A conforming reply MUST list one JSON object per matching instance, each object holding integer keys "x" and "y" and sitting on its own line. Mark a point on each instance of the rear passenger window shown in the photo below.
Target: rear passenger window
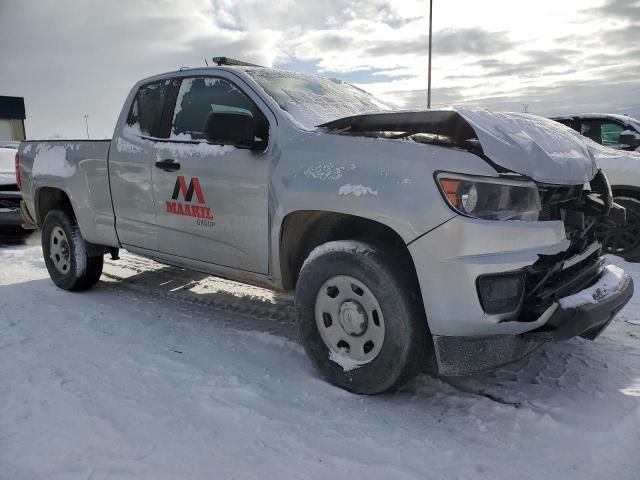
{"x": 149, "y": 111}
{"x": 200, "y": 96}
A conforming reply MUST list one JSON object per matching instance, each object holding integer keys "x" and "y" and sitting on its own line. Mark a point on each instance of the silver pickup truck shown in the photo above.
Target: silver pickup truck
{"x": 451, "y": 241}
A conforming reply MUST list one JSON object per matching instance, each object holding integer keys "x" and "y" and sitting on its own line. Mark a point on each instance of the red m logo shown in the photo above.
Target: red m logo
{"x": 187, "y": 193}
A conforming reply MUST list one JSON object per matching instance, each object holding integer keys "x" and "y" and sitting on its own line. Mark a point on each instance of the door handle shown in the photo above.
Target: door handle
{"x": 168, "y": 165}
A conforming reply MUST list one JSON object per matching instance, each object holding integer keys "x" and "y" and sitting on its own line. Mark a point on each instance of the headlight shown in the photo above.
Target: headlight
{"x": 490, "y": 198}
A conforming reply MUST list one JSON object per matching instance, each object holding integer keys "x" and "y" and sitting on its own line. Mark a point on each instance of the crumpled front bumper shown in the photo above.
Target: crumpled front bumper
{"x": 460, "y": 355}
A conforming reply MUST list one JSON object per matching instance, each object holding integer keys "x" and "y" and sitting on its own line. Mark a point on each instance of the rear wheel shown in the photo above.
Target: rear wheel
{"x": 358, "y": 318}
{"x": 65, "y": 253}
{"x": 624, "y": 240}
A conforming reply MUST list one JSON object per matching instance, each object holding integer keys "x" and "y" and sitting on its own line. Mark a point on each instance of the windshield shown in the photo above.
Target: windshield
{"x": 313, "y": 100}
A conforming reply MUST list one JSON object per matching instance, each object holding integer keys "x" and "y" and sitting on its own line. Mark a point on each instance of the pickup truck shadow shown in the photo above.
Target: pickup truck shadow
{"x": 562, "y": 377}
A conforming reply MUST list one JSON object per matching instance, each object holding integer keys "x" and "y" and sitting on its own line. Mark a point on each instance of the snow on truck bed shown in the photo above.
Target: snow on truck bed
{"x": 160, "y": 373}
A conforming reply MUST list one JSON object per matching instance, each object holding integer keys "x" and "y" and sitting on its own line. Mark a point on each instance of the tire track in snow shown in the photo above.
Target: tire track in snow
{"x": 253, "y": 308}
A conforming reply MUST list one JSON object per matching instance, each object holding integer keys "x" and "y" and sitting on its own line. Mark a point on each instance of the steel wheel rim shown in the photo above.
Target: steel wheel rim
{"x": 621, "y": 240}
{"x": 349, "y": 319}
{"x": 60, "y": 251}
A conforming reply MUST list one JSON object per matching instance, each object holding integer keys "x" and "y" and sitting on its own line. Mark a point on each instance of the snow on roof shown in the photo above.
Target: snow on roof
{"x": 615, "y": 116}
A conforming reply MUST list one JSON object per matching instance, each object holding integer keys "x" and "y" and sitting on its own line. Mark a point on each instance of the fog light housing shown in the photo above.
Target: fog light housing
{"x": 501, "y": 293}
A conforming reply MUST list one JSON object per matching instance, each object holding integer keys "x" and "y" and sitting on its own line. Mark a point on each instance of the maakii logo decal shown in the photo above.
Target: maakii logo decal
{"x": 188, "y": 209}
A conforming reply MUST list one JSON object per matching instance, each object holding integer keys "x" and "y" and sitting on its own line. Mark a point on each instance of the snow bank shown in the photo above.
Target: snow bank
{"x": 52, "y": 160}
{"x": 611, "y": 282}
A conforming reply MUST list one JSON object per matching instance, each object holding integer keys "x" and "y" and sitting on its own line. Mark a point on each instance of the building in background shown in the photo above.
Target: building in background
{"x": 12, "y": 116}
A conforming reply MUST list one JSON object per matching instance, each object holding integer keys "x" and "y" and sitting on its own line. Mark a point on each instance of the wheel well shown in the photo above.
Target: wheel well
{"x": 303, "y": 231}
{"x": 49, "y": 198}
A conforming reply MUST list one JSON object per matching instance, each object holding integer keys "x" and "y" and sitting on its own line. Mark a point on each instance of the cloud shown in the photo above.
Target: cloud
{"x": 620, "y": 9}
{"x": 75, "y": 57}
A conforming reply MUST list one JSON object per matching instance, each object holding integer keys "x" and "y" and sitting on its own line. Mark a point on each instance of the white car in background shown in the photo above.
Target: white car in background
{"x": 623, "y": 172}
{"x": 620, "y": 132}
{"x": 10, "y": 195}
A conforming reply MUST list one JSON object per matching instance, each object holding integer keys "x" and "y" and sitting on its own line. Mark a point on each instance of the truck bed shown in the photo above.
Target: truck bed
{"x": 79, "y": 168}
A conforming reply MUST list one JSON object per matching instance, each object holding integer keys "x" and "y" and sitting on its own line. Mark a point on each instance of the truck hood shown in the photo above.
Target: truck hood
{"x": 535, "y": 147}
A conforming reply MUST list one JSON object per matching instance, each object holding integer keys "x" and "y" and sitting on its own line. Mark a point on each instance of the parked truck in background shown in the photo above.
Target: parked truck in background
{"x": 10, "y": 197}
{"x": 450, "y": 240}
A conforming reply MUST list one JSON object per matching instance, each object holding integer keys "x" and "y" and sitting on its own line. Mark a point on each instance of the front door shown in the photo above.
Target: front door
{"x": 212, "y": 200}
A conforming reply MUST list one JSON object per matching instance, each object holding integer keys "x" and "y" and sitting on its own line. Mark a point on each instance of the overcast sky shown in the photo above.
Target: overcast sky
{"x": 69, "y": 58}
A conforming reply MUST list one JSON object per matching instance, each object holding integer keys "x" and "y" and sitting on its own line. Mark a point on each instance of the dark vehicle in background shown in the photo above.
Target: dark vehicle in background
{"x": 614, "y": 131}
{"x": 10, "y": 196}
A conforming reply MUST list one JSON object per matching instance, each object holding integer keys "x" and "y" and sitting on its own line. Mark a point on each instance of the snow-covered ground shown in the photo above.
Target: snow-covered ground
{"x": 159, "y": 373}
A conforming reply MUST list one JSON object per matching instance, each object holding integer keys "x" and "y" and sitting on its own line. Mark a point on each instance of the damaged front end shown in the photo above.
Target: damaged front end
{"x": 585, "y": 211}
{"x": 556, "y": 293}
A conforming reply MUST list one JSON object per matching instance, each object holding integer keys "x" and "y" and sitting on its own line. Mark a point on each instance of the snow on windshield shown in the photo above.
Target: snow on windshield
{"x": 313, "y": 100}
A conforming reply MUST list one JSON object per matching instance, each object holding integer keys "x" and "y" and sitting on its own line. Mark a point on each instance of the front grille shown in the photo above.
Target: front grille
{"x": 546, "y": 281}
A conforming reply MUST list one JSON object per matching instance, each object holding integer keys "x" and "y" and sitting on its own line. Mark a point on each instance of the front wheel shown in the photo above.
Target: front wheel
{"x": 359, "y": 318}
{"x": 65, "y": 253}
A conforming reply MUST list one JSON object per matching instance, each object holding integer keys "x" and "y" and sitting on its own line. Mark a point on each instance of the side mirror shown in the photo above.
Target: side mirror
{"x": 631, "y": 139}
{"x": 231, "y": 128}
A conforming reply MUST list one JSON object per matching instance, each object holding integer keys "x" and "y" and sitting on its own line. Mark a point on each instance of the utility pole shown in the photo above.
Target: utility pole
{"x": 429, "y": 73}
{"x": 86, "y": 122}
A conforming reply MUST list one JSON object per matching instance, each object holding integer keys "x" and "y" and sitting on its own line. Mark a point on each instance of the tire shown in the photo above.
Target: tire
{"x": 65, "y": 253}
{"x": 624, "y": 241}
{"x": 339, "y": 277}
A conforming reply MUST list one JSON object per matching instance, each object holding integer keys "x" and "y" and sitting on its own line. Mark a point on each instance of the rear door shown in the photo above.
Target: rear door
{"x": 212, "y": 202}
{"x": 130, "y": 162}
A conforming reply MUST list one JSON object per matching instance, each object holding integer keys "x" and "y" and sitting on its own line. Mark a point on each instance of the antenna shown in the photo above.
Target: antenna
{"x": 205, "y": 62}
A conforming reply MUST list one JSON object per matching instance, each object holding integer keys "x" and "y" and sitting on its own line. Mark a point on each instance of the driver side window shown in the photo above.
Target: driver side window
{"x": 199, "y": 96}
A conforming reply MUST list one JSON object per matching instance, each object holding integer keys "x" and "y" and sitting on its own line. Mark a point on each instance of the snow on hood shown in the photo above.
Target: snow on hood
{"x": 536, "y": 147}
{"x": 539, "y": 148}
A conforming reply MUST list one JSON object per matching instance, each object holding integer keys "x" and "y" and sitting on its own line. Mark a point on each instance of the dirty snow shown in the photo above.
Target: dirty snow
{"x": 52, "y": 160}
{"x": 351, "y": 246}
{"x": 356, "y": 190}
{"x": 159, "y": 373}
